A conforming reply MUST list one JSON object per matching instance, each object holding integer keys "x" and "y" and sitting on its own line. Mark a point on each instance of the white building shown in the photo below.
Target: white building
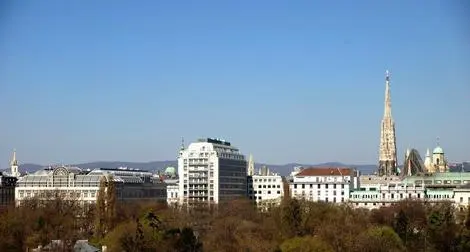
{"x": 211, "y": 171}
{"x": 74, "y": 183}
{"x": 265, "y": 190}
{"x": 376, "y": 192}
{"x": 172, "y": 189}
{"x": 462, "y": 196}
{"x": 373, "y": 196}
{"x": 324, "y": 184}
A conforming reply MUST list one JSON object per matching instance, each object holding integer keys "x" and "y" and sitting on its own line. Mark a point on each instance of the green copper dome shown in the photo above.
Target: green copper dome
{"x": 438, "y": 150}
{"x": 170, "y": 170}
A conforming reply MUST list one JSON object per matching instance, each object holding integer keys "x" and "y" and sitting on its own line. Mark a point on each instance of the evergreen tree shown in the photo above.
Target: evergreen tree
{"x": 111, "y": 204}
{"x": 402, "y": 226}
{"x": 100, "y": 222}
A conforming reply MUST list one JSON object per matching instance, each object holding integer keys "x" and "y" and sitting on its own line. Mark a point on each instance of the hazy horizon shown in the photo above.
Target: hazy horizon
{"x": 286, "y": 81}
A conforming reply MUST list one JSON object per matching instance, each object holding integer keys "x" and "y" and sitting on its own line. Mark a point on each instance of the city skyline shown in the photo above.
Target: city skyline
{"x": 286, "y": 82}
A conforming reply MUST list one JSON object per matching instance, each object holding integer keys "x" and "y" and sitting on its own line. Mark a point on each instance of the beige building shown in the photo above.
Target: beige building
{"x": 75, "y": 183}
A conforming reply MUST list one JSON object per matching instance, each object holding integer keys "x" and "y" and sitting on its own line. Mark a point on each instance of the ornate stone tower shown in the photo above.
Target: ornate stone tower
{"x": 14, "y": 166}
{"x": 388, "y": 148}
{"x": 251, "y": 166}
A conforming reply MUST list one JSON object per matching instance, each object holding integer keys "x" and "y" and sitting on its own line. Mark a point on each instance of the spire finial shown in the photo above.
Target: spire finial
{"x": 13, "y": 159}
{"x": 437, "y": 140}
{"x": 182, "y": 143}
{"x": 388, "y": 103}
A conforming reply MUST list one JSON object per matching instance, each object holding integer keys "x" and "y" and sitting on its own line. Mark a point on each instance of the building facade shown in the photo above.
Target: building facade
{"x": 388, "y": 150}
{"x": 266, "y": 190}
{"x": 433, "y": 188}
{"x": 7, "y": 190}
{"x": 211, "y": 171}
{"x": 172, "y": 190}
{"x": 327, "y": 184}
{"x": 75, "y": 183}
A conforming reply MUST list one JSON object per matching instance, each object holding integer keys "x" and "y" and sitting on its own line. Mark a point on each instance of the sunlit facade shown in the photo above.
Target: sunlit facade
{"x": 75, "y": 183}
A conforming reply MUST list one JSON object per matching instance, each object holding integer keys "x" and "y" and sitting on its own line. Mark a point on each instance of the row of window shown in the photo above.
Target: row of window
{"x": 42, "y": 194}
{"x": 318, "y": 192}
{"x": 267, "y": 186}
{"x": 392, "y": 196}
{"x": 335, "y": 199}
{"x": 318, "y": 186}
{"x": 267, "y": 180}
{"x": 260, "y": 192}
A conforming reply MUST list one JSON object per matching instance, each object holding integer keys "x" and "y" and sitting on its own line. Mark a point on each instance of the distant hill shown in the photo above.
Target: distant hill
{"x": 284, "y": 169}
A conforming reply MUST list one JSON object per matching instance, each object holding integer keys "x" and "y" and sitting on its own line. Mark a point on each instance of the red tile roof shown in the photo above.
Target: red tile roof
{"x": 326, "y": 171}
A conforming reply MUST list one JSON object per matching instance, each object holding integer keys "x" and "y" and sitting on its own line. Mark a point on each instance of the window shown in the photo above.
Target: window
{"x": 334, "y": 186}
{"x": 303, "y": 186}
{"x": 326, "y": 186}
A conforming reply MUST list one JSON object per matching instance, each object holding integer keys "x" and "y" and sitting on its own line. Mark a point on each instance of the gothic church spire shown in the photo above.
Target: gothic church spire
{"x": 388, "y": 149}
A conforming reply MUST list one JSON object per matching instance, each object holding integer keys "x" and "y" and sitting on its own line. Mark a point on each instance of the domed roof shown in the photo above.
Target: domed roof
{"x": 438, "y": 150}
{"x": 170, "y": 170}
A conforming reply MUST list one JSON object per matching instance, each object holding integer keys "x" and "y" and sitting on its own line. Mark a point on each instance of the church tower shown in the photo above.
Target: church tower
{"x": 251, "y": 166}
{"x": 438, "y": 159}
{"x": 428, "y": 162}
{"x": 14, "y": 166}
{"x": 388, "y": 148}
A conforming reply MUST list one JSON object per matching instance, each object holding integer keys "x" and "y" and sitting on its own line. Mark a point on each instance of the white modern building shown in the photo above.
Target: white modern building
{"x": 211, "y": 171}
{"x": 266, "y": 190}
{"x": 327, "y": 184}
{"x": 75, "y": 183}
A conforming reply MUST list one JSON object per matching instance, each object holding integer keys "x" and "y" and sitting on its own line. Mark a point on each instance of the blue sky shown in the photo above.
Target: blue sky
{"x": 289, "y": 81}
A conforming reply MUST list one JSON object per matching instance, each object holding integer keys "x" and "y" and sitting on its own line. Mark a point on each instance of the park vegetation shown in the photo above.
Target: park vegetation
{"x": 295, "y": 225}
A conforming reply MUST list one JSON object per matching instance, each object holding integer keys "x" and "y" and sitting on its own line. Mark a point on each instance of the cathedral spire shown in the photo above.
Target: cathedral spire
{"x": 388, "y": 149}
{"x": 388, "y": 101}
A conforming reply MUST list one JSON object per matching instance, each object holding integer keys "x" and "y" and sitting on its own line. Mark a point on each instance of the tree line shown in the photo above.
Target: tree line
{"x": 294, "y": 225}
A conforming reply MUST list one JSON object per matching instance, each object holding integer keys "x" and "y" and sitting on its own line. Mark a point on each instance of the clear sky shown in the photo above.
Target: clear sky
{"x": 289, "y": 81}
